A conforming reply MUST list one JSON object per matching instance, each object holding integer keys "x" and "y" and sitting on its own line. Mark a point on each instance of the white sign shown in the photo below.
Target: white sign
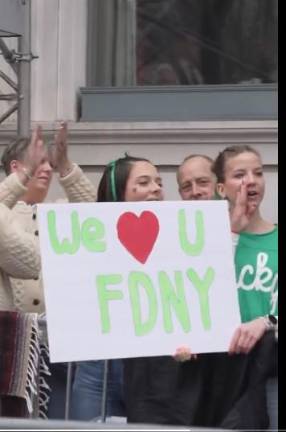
{"x": 137, "y": 279}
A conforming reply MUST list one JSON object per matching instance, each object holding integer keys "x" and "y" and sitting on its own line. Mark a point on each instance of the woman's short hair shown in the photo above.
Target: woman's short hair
{"x": 14, "y": 151}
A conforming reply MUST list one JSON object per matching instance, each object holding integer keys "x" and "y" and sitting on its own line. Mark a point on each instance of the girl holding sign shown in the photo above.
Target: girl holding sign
{"x": 240, "y": 180}
{"x": 239, "y": 173}
{"x": 125, "y": 179}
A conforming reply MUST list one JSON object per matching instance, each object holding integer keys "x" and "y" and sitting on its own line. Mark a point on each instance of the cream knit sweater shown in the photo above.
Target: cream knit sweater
{"x": 28, "y": 295}
{"x": 19, "y": 254}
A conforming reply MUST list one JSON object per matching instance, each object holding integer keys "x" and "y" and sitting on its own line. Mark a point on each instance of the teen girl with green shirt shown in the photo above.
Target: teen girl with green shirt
{"x": 240, "y": 176}
{"x": 240, "y": 180}
{"x": 239, "y": 170}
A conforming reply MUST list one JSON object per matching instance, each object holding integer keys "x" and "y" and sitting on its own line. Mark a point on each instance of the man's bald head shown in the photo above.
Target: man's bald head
{"x": 196, "y": 179}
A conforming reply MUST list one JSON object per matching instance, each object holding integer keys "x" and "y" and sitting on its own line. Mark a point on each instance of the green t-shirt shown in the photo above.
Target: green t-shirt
{"x": 256, "y": 264}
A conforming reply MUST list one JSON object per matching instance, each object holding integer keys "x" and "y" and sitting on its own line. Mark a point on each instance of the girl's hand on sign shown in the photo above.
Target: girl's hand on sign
{"x": 183, "y": 354}
{"x": 246, "y": 336}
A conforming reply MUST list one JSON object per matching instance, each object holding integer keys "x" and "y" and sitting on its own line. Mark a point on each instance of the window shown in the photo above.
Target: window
{"x": 206, "y": 42}
{"x": 209, "y": 49}
{"x": 183, "y": 42}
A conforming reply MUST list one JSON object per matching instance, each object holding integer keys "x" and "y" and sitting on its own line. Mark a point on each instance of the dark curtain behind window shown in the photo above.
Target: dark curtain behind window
{"x": 191, "y": 42}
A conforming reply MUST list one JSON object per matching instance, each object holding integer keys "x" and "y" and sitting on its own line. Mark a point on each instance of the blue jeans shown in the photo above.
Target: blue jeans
{"x": 88, "y": 386}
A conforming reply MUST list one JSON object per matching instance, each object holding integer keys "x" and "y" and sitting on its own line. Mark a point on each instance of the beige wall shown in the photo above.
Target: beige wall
{"x": 58, "y": 38}
{"x": 92, "y": 145}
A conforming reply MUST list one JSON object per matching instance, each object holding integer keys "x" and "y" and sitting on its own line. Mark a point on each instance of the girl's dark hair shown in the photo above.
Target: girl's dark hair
{"x": 228, "y": 153}
{"x": 119, "y": 170}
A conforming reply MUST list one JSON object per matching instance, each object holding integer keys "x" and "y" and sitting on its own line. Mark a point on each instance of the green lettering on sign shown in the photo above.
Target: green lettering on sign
{"x": 66, "y": 246}
{"x": 173, "y": 298}
{"x": 92, "y": 235}
{"x": 135, "y": 281}
{"x": 105, "y": 296}
{"x": 202, "y": 287}
{"x": 197, "y": 247}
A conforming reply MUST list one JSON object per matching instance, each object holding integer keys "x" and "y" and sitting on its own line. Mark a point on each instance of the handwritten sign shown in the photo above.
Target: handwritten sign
{"x": 137, "y": 279}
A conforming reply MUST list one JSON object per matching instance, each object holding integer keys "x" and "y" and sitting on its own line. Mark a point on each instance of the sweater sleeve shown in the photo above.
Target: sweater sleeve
{"x": 19, "y": 251}
{"x": 78, "y": 187}
{"x": 11, "y": 189}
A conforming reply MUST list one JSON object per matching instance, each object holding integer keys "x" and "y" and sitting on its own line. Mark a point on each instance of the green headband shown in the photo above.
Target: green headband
{"x": 112, "y": 179}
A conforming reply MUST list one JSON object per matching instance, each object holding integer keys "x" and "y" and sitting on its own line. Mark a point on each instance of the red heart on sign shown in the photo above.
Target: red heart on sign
{"x": 138, "y": 234}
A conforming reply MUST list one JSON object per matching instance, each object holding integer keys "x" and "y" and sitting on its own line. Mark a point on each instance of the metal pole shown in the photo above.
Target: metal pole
{"x": 24, "y": 111}
{"x": 104, "y": 392}
{"x": 68, "y": 390}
